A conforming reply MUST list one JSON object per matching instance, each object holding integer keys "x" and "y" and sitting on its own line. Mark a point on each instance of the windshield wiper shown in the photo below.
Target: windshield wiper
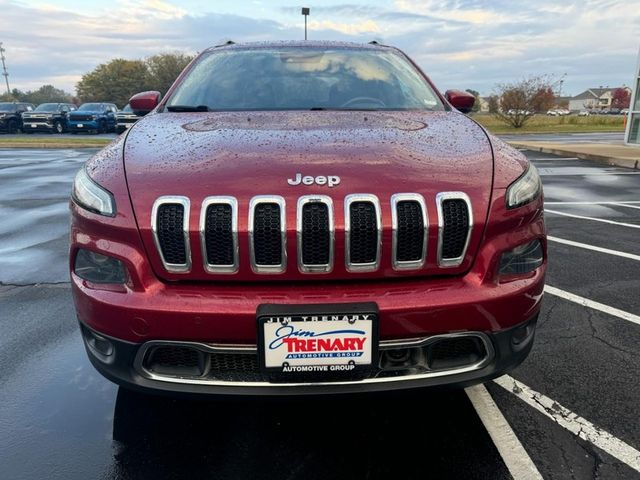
{"x": 188, "y": 108}
{"x": 342, "y": 109}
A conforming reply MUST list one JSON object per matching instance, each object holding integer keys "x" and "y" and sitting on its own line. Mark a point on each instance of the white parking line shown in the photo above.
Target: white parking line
{"x": 603, "y": 220}
{"x": 625, "y": 203}
{"x": 544, "y": 172}
{"x": 608, "y": 251}
{"x": 585, "y": 302}
{"x": 546, "y": 159}
{"x": 572, "y": 422}
{"x": 509, "y": 447}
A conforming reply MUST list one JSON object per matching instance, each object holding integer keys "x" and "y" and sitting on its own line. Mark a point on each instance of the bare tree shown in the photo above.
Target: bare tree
{"x": 518, "y": 100}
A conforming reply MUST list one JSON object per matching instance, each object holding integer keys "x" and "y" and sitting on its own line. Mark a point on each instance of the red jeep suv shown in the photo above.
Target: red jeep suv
{"x": 306, "y": 217}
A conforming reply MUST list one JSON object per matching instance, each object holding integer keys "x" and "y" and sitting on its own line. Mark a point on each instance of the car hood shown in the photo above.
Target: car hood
{"x": 86, "y": 112}
{"x": 255, "y": 153}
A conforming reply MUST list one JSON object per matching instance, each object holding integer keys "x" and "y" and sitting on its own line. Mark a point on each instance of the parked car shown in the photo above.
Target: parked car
{"x": 553, "y": 113}
{"x": 125, "y": 118}
{"x": 314, "y": 230}
{"x": 518, "y": 112}
{"x": 11, "y": 115}
{"x": 624, "y": 111}
{"x": 93, "y": 117}
{"x": 50, "y": 117}
{"x": 584, "y": 113}
{"x": 563, "y": 111}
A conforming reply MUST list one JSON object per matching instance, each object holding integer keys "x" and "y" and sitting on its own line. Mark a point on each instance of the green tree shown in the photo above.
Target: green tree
{"x": 115, "y": 81}
{"x": 44, "y": 94}
{"x": 15, "y": 96}
{"x": 494, "y": 104}
{"x": 48, "y": 93}
{"x": 163, "y": 69}
{"x": 476, "y": 105}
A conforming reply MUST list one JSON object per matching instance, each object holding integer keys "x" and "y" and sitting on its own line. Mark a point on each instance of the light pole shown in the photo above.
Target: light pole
{"x": 5, "y": 74}
{"x": 305, "y": 12}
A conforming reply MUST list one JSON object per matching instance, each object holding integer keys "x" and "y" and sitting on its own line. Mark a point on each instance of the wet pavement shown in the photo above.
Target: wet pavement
{"x": 59, "y": 419}
{"x": 592, "y": 137}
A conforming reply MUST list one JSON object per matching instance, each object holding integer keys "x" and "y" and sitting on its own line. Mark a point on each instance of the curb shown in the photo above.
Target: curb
{"x": 51, "y": 145}
{"x": 607, "y": 160}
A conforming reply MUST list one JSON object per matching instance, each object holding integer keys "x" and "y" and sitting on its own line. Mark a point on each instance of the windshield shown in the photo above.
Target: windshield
{"x": 127, "y": 109}
{"x": 303, "y": 79}
{"x": 90, "y": 106}
{"x": 7, "y": 107}
{"x": 47, "y": 107}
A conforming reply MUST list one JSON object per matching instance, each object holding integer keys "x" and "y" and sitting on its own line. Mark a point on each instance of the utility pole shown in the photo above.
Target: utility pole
{"x": 305, "y": 12}
{"x": 5, "y": 74}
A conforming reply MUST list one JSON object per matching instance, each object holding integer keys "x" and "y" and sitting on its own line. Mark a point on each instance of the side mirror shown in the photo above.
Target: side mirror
{"x": 143, "y": 103}
{"x": 462, "y": 101}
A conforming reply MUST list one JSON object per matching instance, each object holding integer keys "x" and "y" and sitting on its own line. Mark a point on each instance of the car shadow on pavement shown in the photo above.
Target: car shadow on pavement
{"x": 410, "y": 435}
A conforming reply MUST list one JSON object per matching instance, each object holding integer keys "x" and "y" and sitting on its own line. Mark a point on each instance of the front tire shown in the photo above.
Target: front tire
{"x": 12, "y": 126}
{"x": 58, "y": 127}
{"x": 102, "y": 127}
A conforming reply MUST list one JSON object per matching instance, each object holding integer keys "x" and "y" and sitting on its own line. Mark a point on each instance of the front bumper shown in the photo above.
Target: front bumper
{"x": 83, "y": 126}
{"x": 506, "y": 350}
{"x": 34, "y": 126}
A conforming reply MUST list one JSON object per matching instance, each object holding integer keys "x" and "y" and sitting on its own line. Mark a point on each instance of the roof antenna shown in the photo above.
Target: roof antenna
{"x": 228, "y": 42}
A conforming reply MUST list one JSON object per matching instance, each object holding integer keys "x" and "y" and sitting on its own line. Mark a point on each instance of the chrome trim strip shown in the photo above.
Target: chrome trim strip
{"x": 268, "y": 269}
{"x": 440, "y": 198}
{"x": 413, "y": 264}
{"x": 320, "y": 268}
{"x": 233, "y": 203}
{"x": 348, "y": 200}
{"x": 184, "y": 201}
{"x": 138, "y": 364}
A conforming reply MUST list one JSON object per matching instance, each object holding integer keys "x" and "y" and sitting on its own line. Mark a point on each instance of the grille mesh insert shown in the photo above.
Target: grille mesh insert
{"x": 267, "y": 241}
{"x": 219, "y": 235}
{"x": 363, "y": 239}
{"x": 170, "y": 219}
{"x": 456, "y": 228}
{"x": 316, "y": 236}
{"x": 410, "y": 234}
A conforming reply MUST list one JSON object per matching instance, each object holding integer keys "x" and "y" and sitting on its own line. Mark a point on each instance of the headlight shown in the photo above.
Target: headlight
{"x": 522, "y": 259}
{"x": 525, "y": 189}
{"x": 98, "y": 268}
{"x": 91, "y": 196}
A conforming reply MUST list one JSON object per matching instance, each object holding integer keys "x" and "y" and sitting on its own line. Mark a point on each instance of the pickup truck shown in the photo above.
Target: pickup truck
{"x": 93, "y": 117}
{"x": 11, "y": 115}
{"x": 50, "y": 117}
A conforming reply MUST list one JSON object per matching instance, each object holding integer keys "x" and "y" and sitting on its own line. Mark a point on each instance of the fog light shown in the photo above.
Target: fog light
{"x": 99, "y": 268}
{"x": 522, "y": 259}
{"x": 100, "y": 344}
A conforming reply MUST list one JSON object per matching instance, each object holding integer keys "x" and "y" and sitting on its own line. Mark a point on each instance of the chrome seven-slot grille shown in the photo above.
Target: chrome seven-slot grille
{"x": 267, "y": 228}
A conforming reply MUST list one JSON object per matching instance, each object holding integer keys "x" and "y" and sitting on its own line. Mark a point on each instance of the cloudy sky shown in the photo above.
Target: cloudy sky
{"x": 459, "y": 43}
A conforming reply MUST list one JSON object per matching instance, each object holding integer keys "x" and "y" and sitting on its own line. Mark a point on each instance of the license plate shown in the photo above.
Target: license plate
{"x": 80, "y": 125}
{"x": 317, "y": 340}
{"x": 33, "y": 125}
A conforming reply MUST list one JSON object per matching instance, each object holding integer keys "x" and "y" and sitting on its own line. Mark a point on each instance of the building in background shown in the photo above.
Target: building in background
{"x": 632, "y": 133}
{"x": 594, "y": 99}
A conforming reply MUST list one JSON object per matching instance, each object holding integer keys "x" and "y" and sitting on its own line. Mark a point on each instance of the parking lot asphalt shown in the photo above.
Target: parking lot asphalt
{"x": 589, "y": 137}
{"x": 47, "y": 135}
{"x": 573, "y": 408}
